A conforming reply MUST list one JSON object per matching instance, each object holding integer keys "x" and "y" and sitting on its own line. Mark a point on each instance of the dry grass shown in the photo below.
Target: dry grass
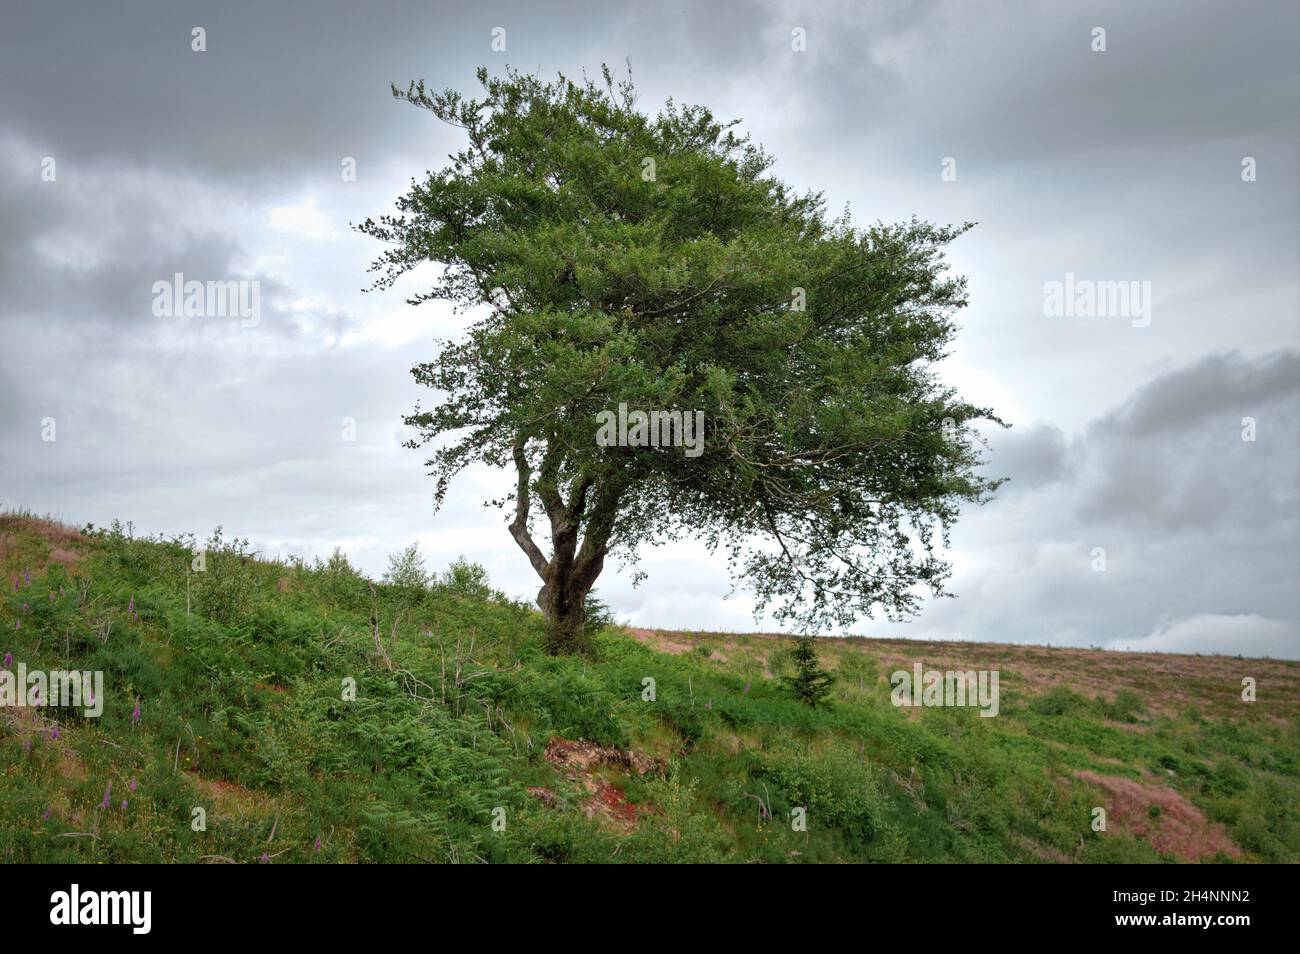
{"x": 1167, "y": 682}
{"x": 1162, "y": 816}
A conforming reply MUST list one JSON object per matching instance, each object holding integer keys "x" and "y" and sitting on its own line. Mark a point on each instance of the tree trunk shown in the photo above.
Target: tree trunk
{"x": 571, "y": 572}
{"x": 564, "y": 604}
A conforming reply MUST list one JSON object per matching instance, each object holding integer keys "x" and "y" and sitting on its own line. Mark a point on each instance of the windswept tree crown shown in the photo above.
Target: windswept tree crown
{"x": 655, "y": 263}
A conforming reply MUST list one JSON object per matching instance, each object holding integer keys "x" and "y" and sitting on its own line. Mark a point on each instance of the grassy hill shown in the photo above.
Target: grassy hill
{"x": 224, "y": 691}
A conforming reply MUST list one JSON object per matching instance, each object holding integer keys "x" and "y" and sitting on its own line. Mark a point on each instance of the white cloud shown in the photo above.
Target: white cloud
{"x": 1242, "y": 634}
{"x": 304, "y": 220}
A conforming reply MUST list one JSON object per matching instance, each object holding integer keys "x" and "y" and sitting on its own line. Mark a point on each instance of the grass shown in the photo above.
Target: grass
{"x": 304, "y": 713}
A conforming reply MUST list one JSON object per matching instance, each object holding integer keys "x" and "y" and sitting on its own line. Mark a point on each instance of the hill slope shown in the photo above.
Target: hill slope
{"x": 226, "y": 700}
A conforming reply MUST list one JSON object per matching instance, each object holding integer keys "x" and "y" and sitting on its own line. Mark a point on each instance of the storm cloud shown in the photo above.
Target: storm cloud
{"x": 1169, "y": 449}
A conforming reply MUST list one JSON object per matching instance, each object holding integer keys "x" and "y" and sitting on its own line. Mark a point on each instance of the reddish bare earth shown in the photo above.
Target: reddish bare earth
{"x": 582, "y": 763}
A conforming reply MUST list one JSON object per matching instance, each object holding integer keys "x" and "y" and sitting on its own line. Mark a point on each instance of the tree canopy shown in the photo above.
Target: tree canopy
{"x": 656, "y": 263}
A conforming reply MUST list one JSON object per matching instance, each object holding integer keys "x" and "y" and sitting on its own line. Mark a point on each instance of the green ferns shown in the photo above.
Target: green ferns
{"x": 310, "y": 715}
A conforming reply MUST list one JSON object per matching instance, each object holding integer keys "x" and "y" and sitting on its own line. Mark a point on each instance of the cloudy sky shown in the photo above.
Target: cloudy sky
{"x": 1122, "y": 165}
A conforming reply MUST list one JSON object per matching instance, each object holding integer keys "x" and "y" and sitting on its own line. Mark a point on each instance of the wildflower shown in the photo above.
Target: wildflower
{"x": 130, "y": 607}
{"x": 27, "y": 577}
{"x": 54, "y": 734}
{"x": 124, "y": 804}
{"x": 18, "y": 624}
{"x": 132, "y": 784}
{"x": 135, "y": 714}
{"x": 107, "y": 793}
{"x": 318, "y": 843}
{"x": 48, "y": 813}
{"x": 27, "y": 745}
{"x": 26, "y": 608}
{"x": 265, "y": 858}
{"x": 9, "y": 660}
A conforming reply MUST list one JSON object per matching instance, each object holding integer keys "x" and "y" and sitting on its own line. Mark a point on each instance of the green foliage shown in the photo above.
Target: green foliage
{"x": 654, "y": 263}
{"x": 1058, "y": 701}
{"x": 338, "y": 581}
{"x": 224, "y": 589}
{"x": 1125, "y": 706}
{"x": 598, "y": 613}
{"x": 242, "y": 713}
{"x": 466, "y": 579}
{"x": 406, "y": 570}
{"x": 835, "y": 786}
{"x": 810, "y": 684}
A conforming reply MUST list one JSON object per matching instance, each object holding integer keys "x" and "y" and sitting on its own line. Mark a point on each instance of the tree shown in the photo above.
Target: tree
{"x": 467, "y": 579}
{"x": 406, "y": 569}
{"x": 637, "y": 264}
{"x": 810, "y": 684}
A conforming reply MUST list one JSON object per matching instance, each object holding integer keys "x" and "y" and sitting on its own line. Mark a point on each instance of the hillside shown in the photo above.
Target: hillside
{"x": 224, "y": 690}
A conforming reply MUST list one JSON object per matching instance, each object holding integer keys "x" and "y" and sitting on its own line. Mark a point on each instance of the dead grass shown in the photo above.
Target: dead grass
{"x": 55, "y": 533}
{"x": 32, "y": 543}
{"x": 1168, "y": 683}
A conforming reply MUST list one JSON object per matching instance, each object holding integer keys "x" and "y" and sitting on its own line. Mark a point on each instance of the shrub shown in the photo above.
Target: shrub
{"x": 837, "y": 787}
{"x": 599, "y": 615}
{"x": 1126, "y": 706}
{"x": 1057, "y": 701}
{"x": 339, "y": 582}
{"x": 464, "y": 578}
{"x": 223, "y": 592}
{"x": 406, "y": 569}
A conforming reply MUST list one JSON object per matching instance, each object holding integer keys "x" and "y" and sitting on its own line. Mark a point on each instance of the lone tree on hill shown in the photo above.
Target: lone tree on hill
{"x": 652, "y": 269}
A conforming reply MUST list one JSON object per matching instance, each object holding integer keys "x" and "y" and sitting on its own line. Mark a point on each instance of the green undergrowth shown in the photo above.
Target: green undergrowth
{"x": 307, "y": 714}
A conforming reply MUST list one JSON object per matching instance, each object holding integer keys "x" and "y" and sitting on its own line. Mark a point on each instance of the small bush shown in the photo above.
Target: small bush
{"x": 599, "y": 615}
{"x": 464, "y": 578}
{"x": 1126, "y": 706}
{"x": 406, "y": 569}
{"x": 1057, "y": 701}
{"x": 223, "y": 592}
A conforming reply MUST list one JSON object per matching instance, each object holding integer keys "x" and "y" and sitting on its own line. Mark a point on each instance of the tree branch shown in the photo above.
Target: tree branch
{"x": 519, "y": 526}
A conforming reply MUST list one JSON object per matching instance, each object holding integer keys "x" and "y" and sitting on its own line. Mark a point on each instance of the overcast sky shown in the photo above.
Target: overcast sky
{"x": 1123, "y": 165}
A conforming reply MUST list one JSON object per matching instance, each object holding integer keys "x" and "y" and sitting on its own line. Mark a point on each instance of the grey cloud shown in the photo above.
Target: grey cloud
{"x": 1173, "y": 457}
{"x": 1123, "y": 165}
{"x": 1222, "y": 383}
{"x": 1194, "y": 523}
{"x": 1027, "y": 456}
